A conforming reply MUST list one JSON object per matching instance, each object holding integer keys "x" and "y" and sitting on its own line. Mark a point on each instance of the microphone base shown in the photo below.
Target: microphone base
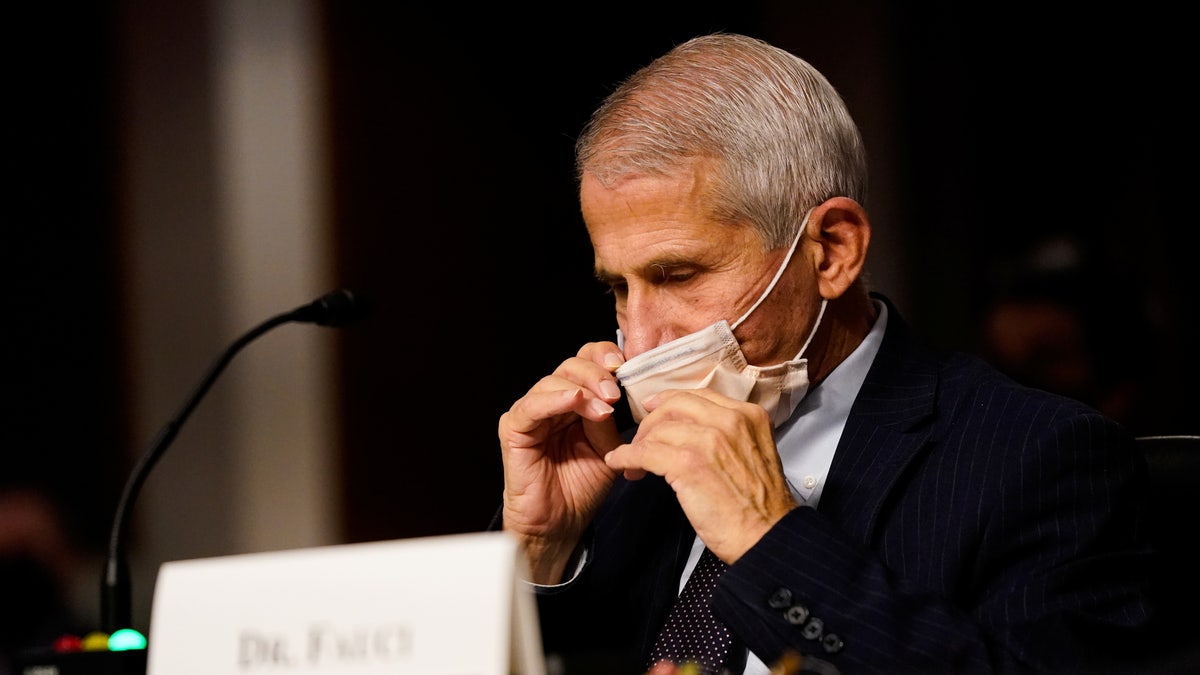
{"x": 132, "y": 662}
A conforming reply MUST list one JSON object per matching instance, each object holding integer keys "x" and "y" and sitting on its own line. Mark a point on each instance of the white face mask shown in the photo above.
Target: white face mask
{"x": 712, "y": 358}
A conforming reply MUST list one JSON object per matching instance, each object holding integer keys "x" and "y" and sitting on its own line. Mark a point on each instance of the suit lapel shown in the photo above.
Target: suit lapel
{"x": 884, "y": 431}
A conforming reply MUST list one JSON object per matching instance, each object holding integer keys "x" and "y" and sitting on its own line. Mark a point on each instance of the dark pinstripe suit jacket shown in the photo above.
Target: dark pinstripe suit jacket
{"x": 968, "y": 525}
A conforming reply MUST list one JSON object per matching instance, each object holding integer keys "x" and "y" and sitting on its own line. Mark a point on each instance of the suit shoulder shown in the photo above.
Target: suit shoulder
{"x": 975, "y": 394}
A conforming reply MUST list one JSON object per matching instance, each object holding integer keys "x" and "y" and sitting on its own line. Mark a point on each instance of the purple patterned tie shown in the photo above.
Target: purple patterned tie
{"x": 692, "y": 634}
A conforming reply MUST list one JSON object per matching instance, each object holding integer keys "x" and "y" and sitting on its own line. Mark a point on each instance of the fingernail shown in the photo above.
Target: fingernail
{"x": 613, "y": 361}
{"x": 610, "y": 389}
{"x": 600, "y": 407}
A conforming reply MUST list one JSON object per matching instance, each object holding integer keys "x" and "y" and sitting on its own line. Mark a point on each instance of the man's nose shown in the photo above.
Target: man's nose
{"x": 635, "y": 343}
{"x": 645, "y": 327}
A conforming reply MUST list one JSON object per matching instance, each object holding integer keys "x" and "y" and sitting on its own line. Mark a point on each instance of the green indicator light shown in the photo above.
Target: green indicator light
{"x": 126, "y": 639}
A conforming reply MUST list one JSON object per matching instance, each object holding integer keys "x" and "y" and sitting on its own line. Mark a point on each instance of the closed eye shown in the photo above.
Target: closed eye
{"x": 617, "y": 288}
{"x": 613, "y": 284}
{"x": 657, "y": 274}
{"x": 672, "y": 275}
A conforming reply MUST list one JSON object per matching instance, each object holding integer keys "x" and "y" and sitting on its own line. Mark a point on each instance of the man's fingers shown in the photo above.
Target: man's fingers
{"x": 605, "y": 354}
{"x": 529, "y": 414}
{"x": 586, "y": 373}
{"x": 695, "y": 403}
{"x": 628, "y": 459}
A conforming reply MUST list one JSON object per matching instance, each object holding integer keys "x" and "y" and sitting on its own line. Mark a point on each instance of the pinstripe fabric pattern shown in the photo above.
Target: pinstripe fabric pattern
{"x": 967, "y": 525}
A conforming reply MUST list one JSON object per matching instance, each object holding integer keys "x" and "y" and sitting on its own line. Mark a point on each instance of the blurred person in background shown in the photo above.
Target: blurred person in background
{"x": 1057, "y": 320}
{"x": 39, "y": 562}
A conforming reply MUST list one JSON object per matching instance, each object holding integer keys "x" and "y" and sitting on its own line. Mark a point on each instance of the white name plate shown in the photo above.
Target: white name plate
{"x": 451, "y": 605}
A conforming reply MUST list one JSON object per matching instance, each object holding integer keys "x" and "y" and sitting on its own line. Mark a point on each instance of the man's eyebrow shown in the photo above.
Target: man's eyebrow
{"x": 656, "y": 268}
{"x": 606, "y": 277}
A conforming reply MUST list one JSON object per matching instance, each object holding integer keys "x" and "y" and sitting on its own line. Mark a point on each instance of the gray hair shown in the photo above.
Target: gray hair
{"x": 779, "y": 134}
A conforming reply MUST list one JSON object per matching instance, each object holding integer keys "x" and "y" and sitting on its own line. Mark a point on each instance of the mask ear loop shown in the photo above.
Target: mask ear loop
{"x": 779, "y": 273}
{"x": 817, "y": 324}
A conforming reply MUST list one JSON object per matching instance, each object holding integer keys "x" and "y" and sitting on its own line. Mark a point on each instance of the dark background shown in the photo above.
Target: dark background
{"x": 994, "y": 128}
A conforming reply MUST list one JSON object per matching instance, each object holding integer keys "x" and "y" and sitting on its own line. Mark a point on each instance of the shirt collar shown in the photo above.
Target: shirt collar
{"x": 808, "y": 440}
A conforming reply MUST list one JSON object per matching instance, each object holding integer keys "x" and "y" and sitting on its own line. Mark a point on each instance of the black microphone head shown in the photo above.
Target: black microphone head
{"x": 336, "y": 308}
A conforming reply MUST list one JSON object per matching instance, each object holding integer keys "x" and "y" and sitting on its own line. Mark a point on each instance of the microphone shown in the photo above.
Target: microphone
{"x": 335, "y": 309}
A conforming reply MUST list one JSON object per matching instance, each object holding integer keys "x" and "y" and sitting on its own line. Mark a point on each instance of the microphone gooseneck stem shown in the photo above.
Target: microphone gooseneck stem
{"x": 116, "y": 591}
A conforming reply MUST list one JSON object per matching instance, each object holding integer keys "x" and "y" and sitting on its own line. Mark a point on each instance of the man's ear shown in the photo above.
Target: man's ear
{"x": 839, "y": 232}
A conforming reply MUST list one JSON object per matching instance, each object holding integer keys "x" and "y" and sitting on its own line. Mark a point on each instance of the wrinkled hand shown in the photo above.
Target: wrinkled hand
{"x": 719, "y": 456}
{"x": 553, "y": 441}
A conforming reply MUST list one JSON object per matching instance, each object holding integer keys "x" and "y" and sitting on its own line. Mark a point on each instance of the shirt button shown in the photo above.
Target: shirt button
{"x": 810, "y": 482}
